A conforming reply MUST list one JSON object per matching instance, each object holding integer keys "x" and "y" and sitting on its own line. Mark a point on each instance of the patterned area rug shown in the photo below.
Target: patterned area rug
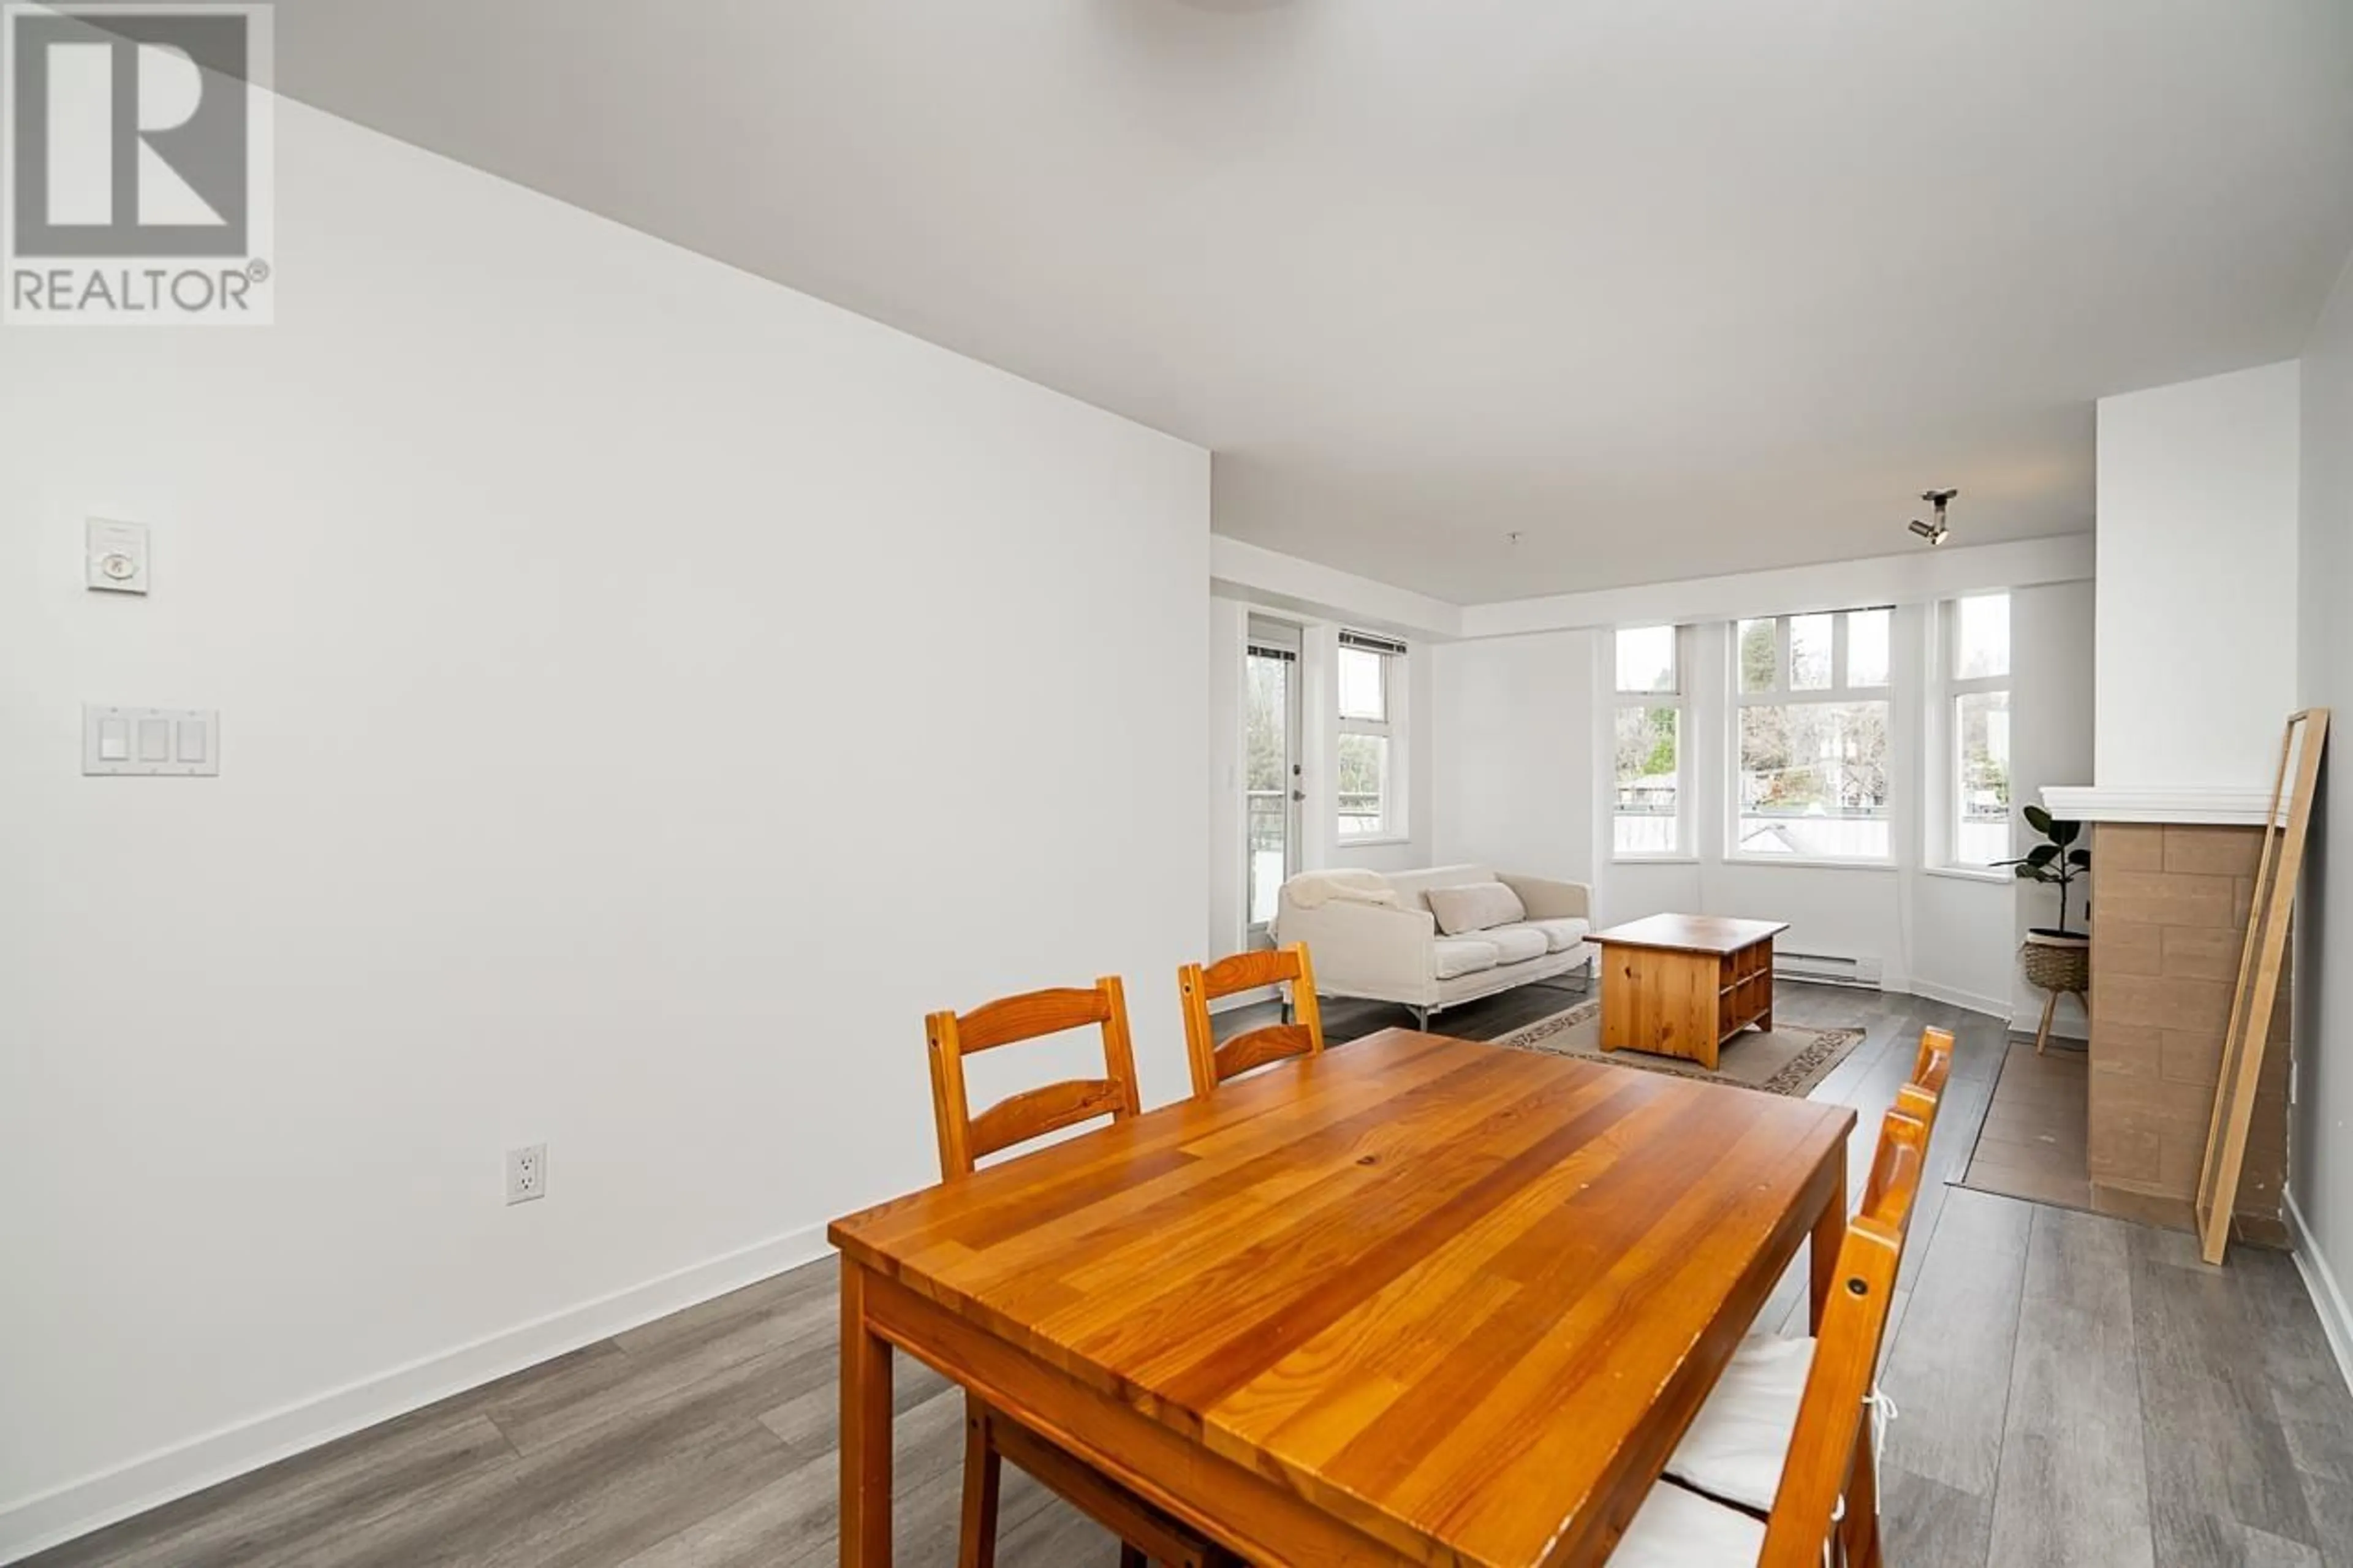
{"x": 1787, "y": 1061}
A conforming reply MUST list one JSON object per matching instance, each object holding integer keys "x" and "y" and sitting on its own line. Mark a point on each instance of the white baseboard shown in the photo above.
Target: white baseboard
{"x": 2028, "y": 1020}
{"x": 1992, "y": 1006}
{"x": 36, "y": 1523}
{"x": 2328, "y": 1300}
{"x": 1998, "y": 1007}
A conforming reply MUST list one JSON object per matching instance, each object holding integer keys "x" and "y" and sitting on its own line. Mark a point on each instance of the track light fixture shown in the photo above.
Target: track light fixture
{"x": 1934, "y": 532}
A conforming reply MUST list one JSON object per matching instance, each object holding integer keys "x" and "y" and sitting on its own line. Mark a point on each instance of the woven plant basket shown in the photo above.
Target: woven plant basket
{"x": 2058, "y": 964}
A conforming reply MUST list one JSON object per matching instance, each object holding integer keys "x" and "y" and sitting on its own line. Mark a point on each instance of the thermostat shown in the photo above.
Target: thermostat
{"x": 117, "y": 556}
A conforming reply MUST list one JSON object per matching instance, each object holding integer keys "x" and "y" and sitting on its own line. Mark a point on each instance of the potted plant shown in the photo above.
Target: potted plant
{"x": 2055, "y": 958}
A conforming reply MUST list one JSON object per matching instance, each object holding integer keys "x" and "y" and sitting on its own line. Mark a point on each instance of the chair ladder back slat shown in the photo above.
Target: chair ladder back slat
{"x": 1897, "y": 1162}
{"x": 964, "y": 1138}
{"x": 1034, "y": 1112}
{"x": 1198, "y": 986}
{"x": 1935, "y": 1063}
{"x": 1256, "y": 1047}
{"x": 1248, "y": 970}
{"x": 1832, "y": 1416}
{"x": 1919, "y": 1104}
{"x": 1009, "y": 1019}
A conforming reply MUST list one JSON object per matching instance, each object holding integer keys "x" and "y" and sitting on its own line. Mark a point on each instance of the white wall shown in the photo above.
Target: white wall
{"x": 1515, "y": 753}
{"x": 1962, "y": 941}
{"x": 644, "y": 691}
{"x": 2197, "y": 545}
{"x": 2052, "y": 721}
{"x": 2320, "y": 1138}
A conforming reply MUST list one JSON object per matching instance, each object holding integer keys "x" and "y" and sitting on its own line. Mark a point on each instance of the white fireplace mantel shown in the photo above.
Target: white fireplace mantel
{"x": 2156, "y": 803}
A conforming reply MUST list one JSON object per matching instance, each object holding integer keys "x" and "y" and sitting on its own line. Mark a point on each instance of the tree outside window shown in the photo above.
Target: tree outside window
{"x": 1647, "y": 742}
{"x": 1813, "y": 778}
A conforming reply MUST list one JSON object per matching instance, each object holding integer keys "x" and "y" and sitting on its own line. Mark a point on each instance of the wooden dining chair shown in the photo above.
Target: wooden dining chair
{"x": 1830, "y": 1476}
{"x": 1780, "y": 1455}
{"x": 965, "y": 1139}
{"x": 990, "y": 1435}
{"x": 1199, "y": 985}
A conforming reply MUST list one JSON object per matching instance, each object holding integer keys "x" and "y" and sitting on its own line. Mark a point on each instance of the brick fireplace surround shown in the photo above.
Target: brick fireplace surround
{"x": 2170, "y": 919}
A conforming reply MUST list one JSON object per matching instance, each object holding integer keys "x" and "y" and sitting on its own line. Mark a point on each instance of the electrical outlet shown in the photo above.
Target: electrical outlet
{"x": 526, "y": 1173}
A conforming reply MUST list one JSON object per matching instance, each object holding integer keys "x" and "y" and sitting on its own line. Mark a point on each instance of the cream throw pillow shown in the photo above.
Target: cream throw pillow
{"x": 1475, "y": 906}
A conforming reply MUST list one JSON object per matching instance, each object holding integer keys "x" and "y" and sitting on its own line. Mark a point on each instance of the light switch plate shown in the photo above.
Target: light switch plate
{"x": 155, "y": 743}
{"x": 117, "y": 556}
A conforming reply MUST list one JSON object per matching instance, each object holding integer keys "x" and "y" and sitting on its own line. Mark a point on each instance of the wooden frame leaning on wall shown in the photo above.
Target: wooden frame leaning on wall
{"x": 2259, "y": 961}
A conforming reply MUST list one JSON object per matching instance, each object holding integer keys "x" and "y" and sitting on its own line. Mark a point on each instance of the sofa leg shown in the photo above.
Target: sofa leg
{"x": 1422, "y": 1019}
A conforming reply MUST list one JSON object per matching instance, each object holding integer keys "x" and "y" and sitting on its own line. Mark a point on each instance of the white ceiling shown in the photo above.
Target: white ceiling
{"x": 1670, "y": 289}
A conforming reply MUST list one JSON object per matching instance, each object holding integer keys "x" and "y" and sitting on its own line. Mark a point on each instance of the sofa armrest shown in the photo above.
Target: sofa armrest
{"x": 1549, "y": 900}
{"x": 1348, "y": 941}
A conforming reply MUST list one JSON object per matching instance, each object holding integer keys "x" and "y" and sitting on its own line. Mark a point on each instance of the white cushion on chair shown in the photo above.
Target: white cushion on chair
{"x": 1737, "y": 1443}
{"x": 1676, "y": 1528}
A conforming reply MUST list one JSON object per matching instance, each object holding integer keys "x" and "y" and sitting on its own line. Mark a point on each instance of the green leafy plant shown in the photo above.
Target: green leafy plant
{"x": 2057, "y": 860}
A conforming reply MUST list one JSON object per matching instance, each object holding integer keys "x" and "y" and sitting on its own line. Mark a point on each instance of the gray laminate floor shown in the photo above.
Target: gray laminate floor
{"x": 2073, "y": 1389}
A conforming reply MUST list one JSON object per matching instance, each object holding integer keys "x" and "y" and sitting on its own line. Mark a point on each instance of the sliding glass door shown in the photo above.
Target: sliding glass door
{"x": 1271, "y": 791}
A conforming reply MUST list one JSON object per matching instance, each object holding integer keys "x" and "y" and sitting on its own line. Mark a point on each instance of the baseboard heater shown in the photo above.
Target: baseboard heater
{"x": 1826, "y": 968}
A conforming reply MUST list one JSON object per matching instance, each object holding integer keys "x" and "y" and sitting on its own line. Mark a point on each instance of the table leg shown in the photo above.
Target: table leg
{"x": 865, "y": 1430}
{"x": 1618, "y": 1000}
{"x": 1822, "y": 1251}
{"x": 1859, "y": 1530}
{"x": 984, "y": 1471}
{"x": 1704, "y": 993}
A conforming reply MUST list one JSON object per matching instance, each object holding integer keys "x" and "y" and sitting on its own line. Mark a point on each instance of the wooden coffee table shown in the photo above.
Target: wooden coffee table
{"x": 1682, "y": 986}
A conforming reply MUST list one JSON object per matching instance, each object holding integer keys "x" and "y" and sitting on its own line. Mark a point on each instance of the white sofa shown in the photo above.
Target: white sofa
{"x": 1395, "y": 952}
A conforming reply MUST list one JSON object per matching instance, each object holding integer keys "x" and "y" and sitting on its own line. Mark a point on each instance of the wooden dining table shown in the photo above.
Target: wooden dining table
{"x": 1416, "y": 1300}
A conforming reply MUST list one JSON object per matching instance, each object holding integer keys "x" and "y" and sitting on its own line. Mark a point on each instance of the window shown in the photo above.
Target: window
{"x": 1647, "y": 736}
{"x": 1367, "y": 691}
{"x": 1811, "y": 771}
{"x": 1976, "y": 664}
